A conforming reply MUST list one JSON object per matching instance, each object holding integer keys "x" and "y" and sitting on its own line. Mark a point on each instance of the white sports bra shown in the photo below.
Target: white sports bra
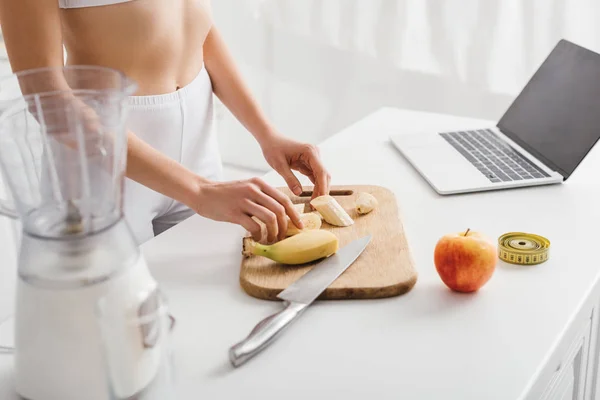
{"x": 87, "y": 3}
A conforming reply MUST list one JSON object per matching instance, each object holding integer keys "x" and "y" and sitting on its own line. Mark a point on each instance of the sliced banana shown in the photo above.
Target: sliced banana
{"x": 365, "y": 203}
{"x": 310, "y": 221}
{"x": 333, "y": 213}
{"x": 318, "y": 214}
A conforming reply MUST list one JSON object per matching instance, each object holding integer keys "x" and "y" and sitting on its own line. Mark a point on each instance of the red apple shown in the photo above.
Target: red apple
{"x": 465, "y": 260}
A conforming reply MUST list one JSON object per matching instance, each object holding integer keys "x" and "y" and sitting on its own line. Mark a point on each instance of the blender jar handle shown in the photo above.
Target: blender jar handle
{"x": 7, "y": 210}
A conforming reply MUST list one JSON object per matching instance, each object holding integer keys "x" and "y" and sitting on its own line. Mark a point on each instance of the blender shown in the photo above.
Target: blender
{"x": 63, "y": 148}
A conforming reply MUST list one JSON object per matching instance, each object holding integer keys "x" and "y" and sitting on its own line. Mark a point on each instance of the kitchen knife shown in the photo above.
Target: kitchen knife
{"x": 296, "y": 298}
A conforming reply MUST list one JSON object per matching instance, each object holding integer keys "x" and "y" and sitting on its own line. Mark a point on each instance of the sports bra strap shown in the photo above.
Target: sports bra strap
{"x": 87, "y": 3}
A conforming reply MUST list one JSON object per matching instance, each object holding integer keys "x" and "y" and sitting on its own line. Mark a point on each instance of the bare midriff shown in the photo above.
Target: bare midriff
{"x": 157, "y": 43}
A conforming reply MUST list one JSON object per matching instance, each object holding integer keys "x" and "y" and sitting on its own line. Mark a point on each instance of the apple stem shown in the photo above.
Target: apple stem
{"x": 467, "y": 231}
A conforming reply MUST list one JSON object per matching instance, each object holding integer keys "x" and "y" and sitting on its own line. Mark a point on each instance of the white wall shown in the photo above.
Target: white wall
{"x": 318, "y": 65}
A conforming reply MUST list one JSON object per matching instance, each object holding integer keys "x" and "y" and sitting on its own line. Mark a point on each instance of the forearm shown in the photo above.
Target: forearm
{"x": 153, "y": 169}
{"x": 33, "y": 39}
{"x": 230, "y": 88}
{"x": 32, "y": 33}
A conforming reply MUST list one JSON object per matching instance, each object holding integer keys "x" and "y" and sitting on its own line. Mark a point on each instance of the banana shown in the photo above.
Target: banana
{"x": 310, "y": 221}
{"x": 318, "y": 214}
{"x": 306, "y": 208}
{"x": 302, "y": 248}
{"x": 331, "y": 210}
{"x": 365, "y": 203}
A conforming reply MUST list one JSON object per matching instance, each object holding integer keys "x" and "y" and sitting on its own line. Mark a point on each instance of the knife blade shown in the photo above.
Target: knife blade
{"x": 296, "y": 298}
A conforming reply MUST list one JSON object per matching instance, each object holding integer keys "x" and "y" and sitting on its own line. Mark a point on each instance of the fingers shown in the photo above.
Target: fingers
{"x": 320, "y": 174}
{"x": 251, "y": 226}
{"x": 284, "y": 201}
{"x": 267, "y": 216}
{"x": 271, "y": 207}
{"x": 312, "y": 166}
{"x": 290, "y": 179}
{"x": 277, "y": 208}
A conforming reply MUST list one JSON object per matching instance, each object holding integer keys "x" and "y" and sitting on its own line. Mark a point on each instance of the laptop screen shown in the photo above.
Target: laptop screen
{"x": 557, "y": 115}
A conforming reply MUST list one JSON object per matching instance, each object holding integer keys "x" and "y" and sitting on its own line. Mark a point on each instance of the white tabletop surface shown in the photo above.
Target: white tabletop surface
{"x": 428, "y": 344}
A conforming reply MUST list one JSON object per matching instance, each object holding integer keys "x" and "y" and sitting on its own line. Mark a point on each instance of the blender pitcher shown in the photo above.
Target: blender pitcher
{"x": 63, "y": 152}
{"x": 63, "y": 147}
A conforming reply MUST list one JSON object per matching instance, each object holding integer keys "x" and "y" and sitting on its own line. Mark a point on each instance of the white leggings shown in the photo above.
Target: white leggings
{"x": 181, "y": 126}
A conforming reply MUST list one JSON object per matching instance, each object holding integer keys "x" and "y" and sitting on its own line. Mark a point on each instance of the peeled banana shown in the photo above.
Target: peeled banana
{"x": 365, "y": 203}
{"x": 310, "y": 221}
{"x": 318, "y": 214}
{"x": 302, "y": 248}
{"x": 333, "y": 213}
{"x": 308, "y": 209}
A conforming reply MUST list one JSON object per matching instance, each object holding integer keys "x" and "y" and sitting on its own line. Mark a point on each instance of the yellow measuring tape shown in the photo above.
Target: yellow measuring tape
{"x": 523, "y": 248}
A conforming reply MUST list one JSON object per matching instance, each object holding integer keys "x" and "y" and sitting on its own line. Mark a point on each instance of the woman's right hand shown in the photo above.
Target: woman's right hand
{"x": 238, "y": 201}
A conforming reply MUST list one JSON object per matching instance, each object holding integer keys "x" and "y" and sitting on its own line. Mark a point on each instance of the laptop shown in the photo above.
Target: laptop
{"x": 541, "y": 138}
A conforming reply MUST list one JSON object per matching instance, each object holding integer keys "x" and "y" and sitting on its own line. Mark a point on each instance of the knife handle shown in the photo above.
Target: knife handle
{"x": 263, "y": 333}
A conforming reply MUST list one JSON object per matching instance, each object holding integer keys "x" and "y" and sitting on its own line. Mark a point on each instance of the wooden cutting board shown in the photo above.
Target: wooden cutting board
{"x": 384, "y": 269}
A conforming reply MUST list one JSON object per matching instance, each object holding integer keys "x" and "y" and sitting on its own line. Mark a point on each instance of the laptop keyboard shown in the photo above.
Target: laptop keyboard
{"x": 494, "y": 158}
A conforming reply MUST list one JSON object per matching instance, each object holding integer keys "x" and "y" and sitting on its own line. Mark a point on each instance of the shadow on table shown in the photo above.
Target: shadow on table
{"x": 220, "y": 370}
{"x": 191, "y": 269}
{"x": 436, "y": 298}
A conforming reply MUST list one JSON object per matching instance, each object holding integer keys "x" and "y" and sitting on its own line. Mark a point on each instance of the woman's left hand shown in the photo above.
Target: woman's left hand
{"x": 285, "y": 155}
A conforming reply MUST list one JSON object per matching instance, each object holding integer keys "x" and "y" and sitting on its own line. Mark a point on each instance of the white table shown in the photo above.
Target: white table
{"x": 509, "y": 341}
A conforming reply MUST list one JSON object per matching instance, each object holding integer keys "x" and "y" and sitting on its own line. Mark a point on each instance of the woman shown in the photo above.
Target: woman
{"x": 178, "y": 59}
